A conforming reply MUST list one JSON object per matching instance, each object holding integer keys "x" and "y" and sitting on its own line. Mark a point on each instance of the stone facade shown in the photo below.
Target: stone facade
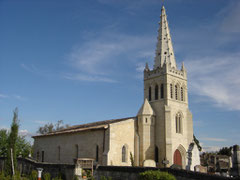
{"x": 162, "y": 131}
{"x": 102, "y": 143}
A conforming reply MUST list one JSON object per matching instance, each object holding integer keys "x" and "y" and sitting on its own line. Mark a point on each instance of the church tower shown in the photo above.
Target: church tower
{"x": 165, "y": 90}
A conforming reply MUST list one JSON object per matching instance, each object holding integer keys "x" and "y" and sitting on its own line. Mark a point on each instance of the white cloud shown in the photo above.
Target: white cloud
{"x": 4, "y": 127}
{"x": 140, "y": 67}
{"x": 96, "y": 59}
{"x": 41, "y": 122}
{"x": 212, "y": 139}
{"x": 30, "y": 68}
{"x": 3, "y": 96}
{"x": 38, "y": 71}
{"x": 19, "y": 97}
{"x": 90, "y": 78}
{"x": 217, "y": 78}
{"x": 210, "y": 148}
{"x": 24, "y": 132}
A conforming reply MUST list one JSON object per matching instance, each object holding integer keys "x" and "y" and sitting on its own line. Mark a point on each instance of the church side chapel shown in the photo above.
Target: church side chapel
{"x": 161, "y": 134}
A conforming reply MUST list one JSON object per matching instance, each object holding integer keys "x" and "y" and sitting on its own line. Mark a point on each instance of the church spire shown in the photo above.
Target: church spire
{"x": 164, "y": 51}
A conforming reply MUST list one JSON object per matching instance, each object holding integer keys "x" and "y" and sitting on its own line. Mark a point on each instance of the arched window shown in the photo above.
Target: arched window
{"x": 76, "y": 150}
{"x": 156, "y": 92}
{"x": 156, "y": 154}
{"x": 124, "y": 150}
{"x": 59, "y": 153}
{"x": 162, "y": 91}
{"x": 178, "y": 120}
{"x": 171, "y": 91}
{"x": 150, "y": 94}
{"x": 182, "y": 94}
{"x": 176, "y": 92}
{"x": 42, "y": 156}
{"x": 97, "y": 153}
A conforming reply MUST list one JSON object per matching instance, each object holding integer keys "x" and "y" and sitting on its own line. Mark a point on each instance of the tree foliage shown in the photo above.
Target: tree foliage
{"x": 225, "y": 151}
{"x": 131, "y": 159}
{"x": 10, "y": 140}
{"x": 197, "y": 143}
{"x": 23, "y": 148}
{"x": 50, "y": 127}
{"x": 156, "y": 175}
{"x": 11, "y": 145}
{"x": 3, "y": 142}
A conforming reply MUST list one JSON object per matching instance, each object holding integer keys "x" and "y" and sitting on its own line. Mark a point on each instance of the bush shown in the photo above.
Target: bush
{"x": 59, "y": 177}
{"x": 33, "y": 175}
{"x": 2, "y": 176}
{"x": 156, "y": 175}
{"x": 105, "y": 178}
{"x": 46, "y": 176}
{"x": 75, "y": 178}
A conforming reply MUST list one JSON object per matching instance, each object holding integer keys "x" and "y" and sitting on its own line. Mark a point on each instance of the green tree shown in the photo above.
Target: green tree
{"x": 225, "y": 151}
{"x": 50, "y": 127}
{"x": 23, "y": 147}
{"x": 11, "y": 146}
{"x": 3, "y": 142}
{"x": 197, "y": 143}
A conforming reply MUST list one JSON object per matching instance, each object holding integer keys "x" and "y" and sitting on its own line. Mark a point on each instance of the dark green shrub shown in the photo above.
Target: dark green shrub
{"x": 2, "y": 175}
{"x": 105, "y": 178}
{"x": 46, "y": 176}
{"x": 89, "y": 173}
{"x": 75, "y": 178}
{"x": 33, "y": 175}
{"x": 17, "y": 176}
{"x": 156, "y": 175}
{"x": 59, "y": 177}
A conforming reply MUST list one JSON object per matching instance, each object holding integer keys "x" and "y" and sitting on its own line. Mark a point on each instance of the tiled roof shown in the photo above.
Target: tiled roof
{"x": 84, "y": 127}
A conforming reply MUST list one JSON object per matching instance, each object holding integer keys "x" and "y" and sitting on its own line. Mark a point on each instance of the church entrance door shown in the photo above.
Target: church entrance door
{"x": 177, "y": 158}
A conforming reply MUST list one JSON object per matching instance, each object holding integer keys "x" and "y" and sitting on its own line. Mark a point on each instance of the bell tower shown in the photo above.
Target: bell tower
{"x": 165, "y": 88}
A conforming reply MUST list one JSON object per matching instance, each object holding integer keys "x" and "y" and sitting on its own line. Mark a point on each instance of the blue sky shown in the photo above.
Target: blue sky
{"x": 82, "y": 61}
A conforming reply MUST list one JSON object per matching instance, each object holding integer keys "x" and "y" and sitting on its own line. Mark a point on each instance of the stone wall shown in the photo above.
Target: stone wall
{"x": 65, "y": 148}
{"x": 121, "y": 134}
{"x": 132, "y": 173}
{"x": 26, "y": 166}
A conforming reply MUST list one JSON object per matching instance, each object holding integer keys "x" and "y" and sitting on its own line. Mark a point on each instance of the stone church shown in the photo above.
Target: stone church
{"x": 160, "y": 135}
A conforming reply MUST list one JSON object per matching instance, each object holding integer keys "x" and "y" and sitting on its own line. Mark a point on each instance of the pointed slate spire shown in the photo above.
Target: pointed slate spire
{"x": 164, "y": 51}
{"x": 146, "y": 109}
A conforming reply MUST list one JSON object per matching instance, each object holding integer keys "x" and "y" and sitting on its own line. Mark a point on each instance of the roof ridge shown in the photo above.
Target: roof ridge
{"x": 87, "y": 125}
